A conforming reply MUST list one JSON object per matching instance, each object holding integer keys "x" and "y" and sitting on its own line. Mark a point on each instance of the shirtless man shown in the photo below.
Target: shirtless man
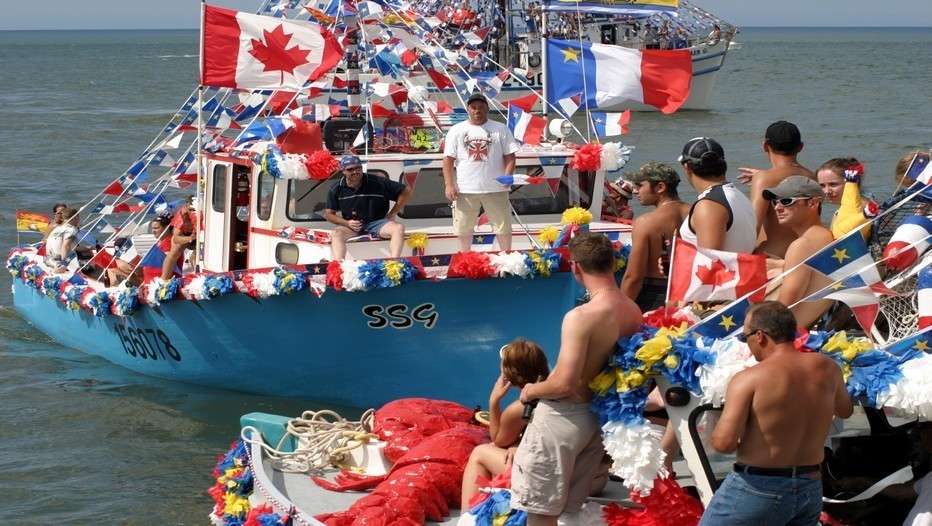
{"x": 562, "y": 446}
{"x": 796, "y": 202}
{"x": 782, "y": 143}
{"x": 654, "y": 185}
{"x": 777, "y": 416}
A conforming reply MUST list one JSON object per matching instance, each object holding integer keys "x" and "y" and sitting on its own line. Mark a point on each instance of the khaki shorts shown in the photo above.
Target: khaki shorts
{"x": 466, "y": 212}
{"x": 558, "y": 459}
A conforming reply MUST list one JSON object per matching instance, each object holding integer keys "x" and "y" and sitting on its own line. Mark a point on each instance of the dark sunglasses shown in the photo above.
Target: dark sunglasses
{"x": 786, "y": 201}
{"x": 353, "y": 169}
{"x": 743, "y": 337}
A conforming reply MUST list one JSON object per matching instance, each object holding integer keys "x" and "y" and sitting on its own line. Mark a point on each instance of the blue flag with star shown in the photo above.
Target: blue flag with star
{"x": 724, "y": 322}
{"x": 912, "y": 346}
{"x": 847, "y": 260}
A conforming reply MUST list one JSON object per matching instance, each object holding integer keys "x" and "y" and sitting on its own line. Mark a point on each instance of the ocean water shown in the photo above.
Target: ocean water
{"x": 88, "y": 442}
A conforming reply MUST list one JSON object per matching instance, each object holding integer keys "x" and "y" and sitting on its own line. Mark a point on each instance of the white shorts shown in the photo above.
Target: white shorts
{"x": 466, "y": 211}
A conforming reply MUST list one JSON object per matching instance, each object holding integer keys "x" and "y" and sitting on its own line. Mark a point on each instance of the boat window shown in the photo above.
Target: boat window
{"x": 575, "y": 189}
{"x": 218, "y": 198}
{"x": 286, "y": 254}
{"x": 307, "y": 199}
{"x": 266, "y": 187}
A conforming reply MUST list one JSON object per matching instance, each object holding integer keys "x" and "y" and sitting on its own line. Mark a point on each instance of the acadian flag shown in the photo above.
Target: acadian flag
{"x": 920, "y": 169}
{"x": 31, "y": 222}
{"x": 912, "y": 346}
{"x": 259, "y": 52}
{"x": 609, "y": 124}
{"x": 701, "y": 274}
{"x": 526, "y": 128}
{"x": 609, "y": 75}
{"x": 724, "y": 322}
{"x": 569, "y": 105}
{"x": 857, "y": 282}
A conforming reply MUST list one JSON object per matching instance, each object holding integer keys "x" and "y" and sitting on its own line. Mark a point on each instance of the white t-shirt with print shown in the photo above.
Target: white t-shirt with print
{"x": 480, "y": 155}
{"x": 56, "y": 239}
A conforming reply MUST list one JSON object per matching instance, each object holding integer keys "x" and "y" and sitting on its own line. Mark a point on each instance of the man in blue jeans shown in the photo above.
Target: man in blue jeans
{"x": 362, "y": 200}
{"x": 777, "y": 416}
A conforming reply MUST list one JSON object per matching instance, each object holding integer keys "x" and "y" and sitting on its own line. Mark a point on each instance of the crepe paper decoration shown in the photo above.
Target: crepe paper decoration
{"x": 510, "y": 264}
{"x": 32, "y": 275}
{"x": 548, "y": 235}
{"x": 588, "y": 158}
{"x": 96, "y": 302}
{"x": 351, "y": 281}
{"x": 159, "y": 290}
{"x": 263, "y": 515}
{"x": 542, "y": 263}
{"x": 473, "y": 265}
{"x": 417, "y": 241}
{"x": 622, "y": 253}
{"x": 205, "y": 287}
{"x": 667, "y": 504}
{"x": 615, "y": 156}
{"x": 15, "y": 263}
{"x": 51, "y": 286}
{"x": 335, "y": 275}
{"x": 576, "y": 216}
{"x": 319, "y": 165}
{"x": 71, "y": 296}
{"x": 636, "y": 453}
{"x": 125, "y": 302}
{"x": 232, "y": 487}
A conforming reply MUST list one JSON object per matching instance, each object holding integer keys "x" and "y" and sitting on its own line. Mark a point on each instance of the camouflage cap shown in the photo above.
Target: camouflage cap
{"x": 655, "y": 171}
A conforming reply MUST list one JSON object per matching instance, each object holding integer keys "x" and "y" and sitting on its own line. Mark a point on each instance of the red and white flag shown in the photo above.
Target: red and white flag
{"x": 262, "y": 52}
{"x": 526, "y": 128}
{"x": 701, "y": 274}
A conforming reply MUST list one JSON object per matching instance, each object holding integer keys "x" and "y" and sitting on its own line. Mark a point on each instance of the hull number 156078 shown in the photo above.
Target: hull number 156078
{"x": 147, "y": 344}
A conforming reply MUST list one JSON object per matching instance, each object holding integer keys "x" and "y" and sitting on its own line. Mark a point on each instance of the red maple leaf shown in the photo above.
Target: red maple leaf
{"x": 275, "y": 54}
{"x": 715, "y": 274}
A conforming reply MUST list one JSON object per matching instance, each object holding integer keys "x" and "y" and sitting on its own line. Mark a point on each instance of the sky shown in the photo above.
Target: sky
{"x": 183, "y": 14}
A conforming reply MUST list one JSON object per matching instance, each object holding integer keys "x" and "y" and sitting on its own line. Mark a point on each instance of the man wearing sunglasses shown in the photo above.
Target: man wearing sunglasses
{"x": 796, "y": 203}
{"x": 777, "y": 416}
{"x": 362, "y": 201}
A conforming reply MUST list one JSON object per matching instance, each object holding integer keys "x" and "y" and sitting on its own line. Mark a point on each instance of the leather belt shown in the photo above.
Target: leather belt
{"x": 741, "y": 467}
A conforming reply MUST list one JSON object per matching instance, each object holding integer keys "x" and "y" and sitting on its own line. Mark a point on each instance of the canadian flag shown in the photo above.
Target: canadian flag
{"x": 701, "y": 274}
{"x": 260, "y": 52}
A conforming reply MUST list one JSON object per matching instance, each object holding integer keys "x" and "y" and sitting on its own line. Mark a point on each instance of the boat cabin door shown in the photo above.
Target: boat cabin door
{"x": 226, "y": 216}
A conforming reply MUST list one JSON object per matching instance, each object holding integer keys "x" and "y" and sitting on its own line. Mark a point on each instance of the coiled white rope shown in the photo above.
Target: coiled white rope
{"x": 323, "y": 437}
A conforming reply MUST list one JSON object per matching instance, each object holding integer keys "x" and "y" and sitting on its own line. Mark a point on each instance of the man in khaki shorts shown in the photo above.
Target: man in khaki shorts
{"x": 562, "y": 446}
{"x": 481, "y": 150}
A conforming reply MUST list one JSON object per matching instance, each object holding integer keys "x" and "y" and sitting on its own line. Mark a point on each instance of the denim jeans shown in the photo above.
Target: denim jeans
{"x": 757, "y": 500}
{"x": 374, "y": 227}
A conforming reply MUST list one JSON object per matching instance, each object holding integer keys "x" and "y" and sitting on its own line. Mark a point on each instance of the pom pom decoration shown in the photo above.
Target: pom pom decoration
{"x": 15, "y": 263}
{"x": 622, "y": 252}
{"x": 548, "y": 235}
{"x": 291, "y": 166}
{"x": 576, "y": 216}
{"x": 125, "y": 302}
{"x": 731, "y": 357}
{"x": 636, "y": 453}
{"x": 263, "y": 515}
{"x": 351, "y": 276}
{"x": 71, "y": 296}
{"x": 96, "y": 302}
{"x": 473, "y": 265}
{"x": 510, "y": 264}
{"x": 615, "y": 156}
{"x": 588, "y": 158}
{"x": 288, "y": 281}
{"x": 417, "y": 241}
{"x": 913, "y": 393}
{"x": 542, "y": 263}
{"x": 209, "y": 286}
{"x": 32, "y": 275}
{"x": 667, "y": 504}
{"x": 320, "y": 165}
{"x": 335, "y": 275}
{"x": 233, "y": 486}
{"x": 386, "y": 273}
{"x": 51, "y": 286}
{"x": 159, "y": 290}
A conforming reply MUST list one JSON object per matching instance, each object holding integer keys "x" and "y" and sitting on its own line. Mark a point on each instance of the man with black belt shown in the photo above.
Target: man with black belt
{"x": 362, "y": 200}
{"x": 777, "y": 416}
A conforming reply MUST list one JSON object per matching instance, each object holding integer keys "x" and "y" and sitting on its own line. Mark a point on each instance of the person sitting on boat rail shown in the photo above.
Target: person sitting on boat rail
{"x": 184, "y": 237}
{"x": 797, "y": 201}
{"x": 722, "y": 217}
{"x": 162, "y": 231}
{"x": 522, "y": 362}
{"x": 362, "y": 201}
{"x": 654, "y": 185}
{"x": 62, "y": 241}
{"x": 480, "y": 150}
{"x": 562, "y": 446}
{"x": 777, "y": 418}
{"x": 57, "y": 219}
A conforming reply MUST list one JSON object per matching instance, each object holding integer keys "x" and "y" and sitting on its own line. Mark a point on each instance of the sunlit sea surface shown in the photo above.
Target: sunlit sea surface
{"x": 87, "y": 442}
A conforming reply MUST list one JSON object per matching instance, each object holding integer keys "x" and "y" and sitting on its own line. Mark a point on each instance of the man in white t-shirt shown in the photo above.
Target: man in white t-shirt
{"x": 481, "y": 150}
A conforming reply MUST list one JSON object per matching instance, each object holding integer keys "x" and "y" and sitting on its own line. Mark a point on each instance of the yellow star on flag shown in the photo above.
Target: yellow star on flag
{"x": 553, "y": 161}
{"x": 570, "y": 54}
{"x": 841, "y": 255}
{"x": 921, "y": 345}
{"x": 728, "y": 322}
{"x": 479, "y": 239}
{"x": 515, "y": 114}
{"x": 838, "y": 286}
{"x": 598, "y": 120}
{"x": 435, "y": 261}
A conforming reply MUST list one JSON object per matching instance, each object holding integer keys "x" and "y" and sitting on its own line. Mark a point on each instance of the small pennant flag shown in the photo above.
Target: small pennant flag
{"x": 912, "y": 346}
{"x": 609, "y": 124}
{"x": 920, "y": 169}
{"x": 570, "y": 104}
{"x": 519, "y": 179}
{"x": 924, "y": 297}
{"x": 724, "y": 322}
{"x": 527, "y": 128}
